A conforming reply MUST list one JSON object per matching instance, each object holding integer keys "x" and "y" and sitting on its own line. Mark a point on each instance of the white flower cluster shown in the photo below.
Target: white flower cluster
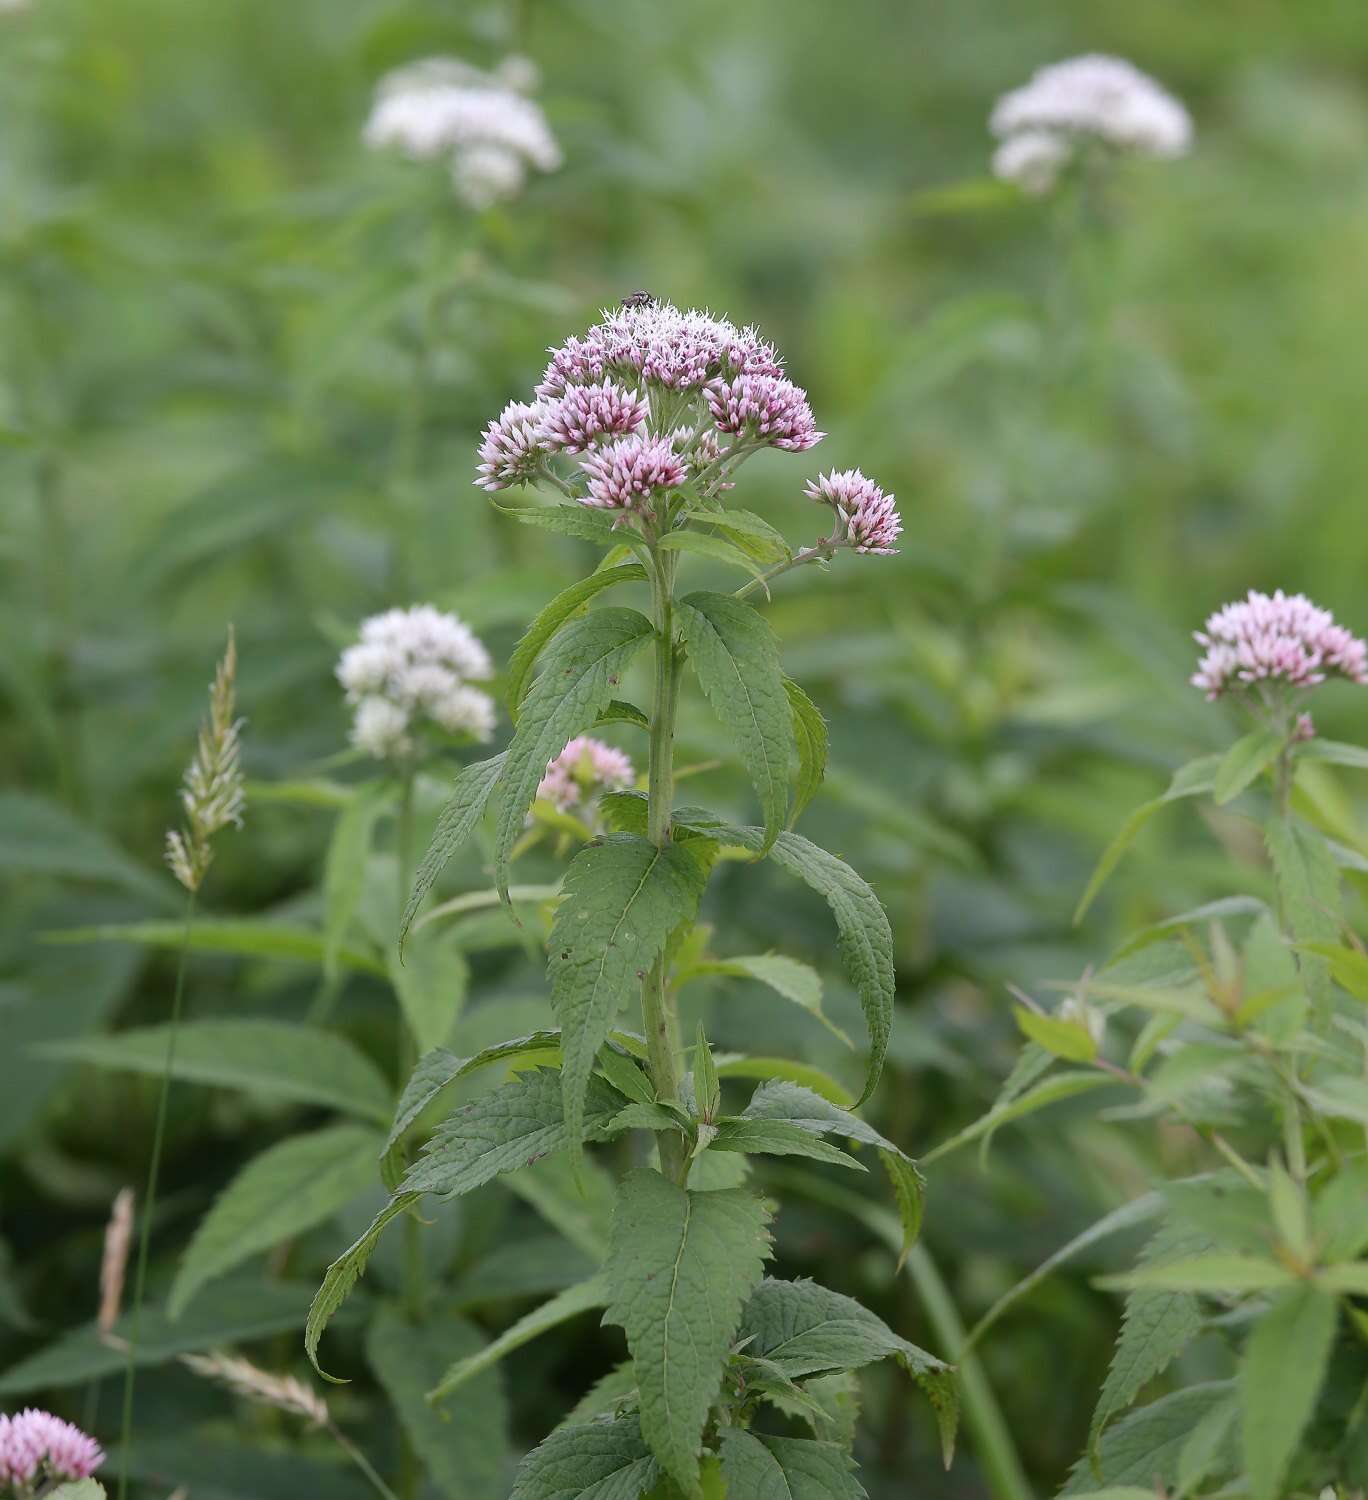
{"x": 1105, "y": 99}
{"x": 412, "y": 665}
{"x": 490, "y": 131}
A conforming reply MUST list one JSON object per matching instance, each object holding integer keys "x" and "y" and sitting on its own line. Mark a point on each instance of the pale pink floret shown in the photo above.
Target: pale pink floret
{"x": 36, "y": 1445}
{"x": 1282, "y": 638}
{"x": 512, "y": 447}
{"x": 586, "y": 413}
{"x": 624, "y": 473}
{"x": 871, "y": 518}
{"x": 585, "y": 767}
{"x": 765, "y": 408}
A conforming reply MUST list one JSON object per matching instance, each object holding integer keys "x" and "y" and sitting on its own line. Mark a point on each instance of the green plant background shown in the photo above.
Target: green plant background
{"x": 243, "y": 368}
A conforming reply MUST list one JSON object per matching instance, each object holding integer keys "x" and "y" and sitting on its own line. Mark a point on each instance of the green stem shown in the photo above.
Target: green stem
{"x": 657, "y": 1002}
{"x": 361, "y": 1461}
{"x": 150, "y": 1200}
{"x": 823, "y": 551}
{"x": 983, "y": 1417}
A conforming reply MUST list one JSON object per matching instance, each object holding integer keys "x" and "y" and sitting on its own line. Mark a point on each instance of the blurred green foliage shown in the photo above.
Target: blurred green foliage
{"x": 243, "y": 368}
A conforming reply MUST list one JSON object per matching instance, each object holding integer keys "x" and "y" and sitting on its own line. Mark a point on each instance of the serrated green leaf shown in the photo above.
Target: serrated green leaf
{"x": 1281, "y": 1372}
{"x": 565, "y": 606}
{"x": 431, "y": 983}
{"x": 1192, "y": 780}
{"x": 865, "y": 938}
{"x": 777, "y": 1138}
{"x": 611, "y": 1395}
{"x": 721, "y": 549}
{"x": 735, "y": 656}
{"x": 344, "y": 1273}
{"x": 460, "y": 816}
{"x": 1070, "y": 1040}
{"x": 623, "y": 897}
{"x": 1205, "y": 1446}
{"x": 560, "y": 1309}
{"x": 806, "y": 1329}
{"x": 707, "y": 1088}
{"x": 1143, "y": 1448}
{"x": 596, "y": 1461}
{"x": 462, "y": 1448}
{"x": 1309, "y": 895}
{"x": 774, "y": 1468}
{"x": 680, "y": 1265}
{"x": 291, "y": 1187}
{"x": 1155, "y": 1328}
{"x": 619, "y": 712}
{"x": 234, "y": 936}
{"x": 344, "y": 869}
{"x": 626, "y": 1076}
{"x": 751, "y": 532}
{"x": 233, "y": 1311}
{"x": 1245, "y": 761}
{"x": 500, "y": 1132}
{"x": 811, "y": 739}
{"x": 288, "y": 1061}
{"x": 795, "y": 981}
{"x": 581, "y": 668}
{"x": 580, "y": 521}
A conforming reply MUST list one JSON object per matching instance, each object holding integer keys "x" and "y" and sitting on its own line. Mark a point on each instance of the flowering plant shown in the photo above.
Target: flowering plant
{"x": 641, "y": 425}
{"x": 44, "y": 1458}
{"x": 1238, "y": 1027}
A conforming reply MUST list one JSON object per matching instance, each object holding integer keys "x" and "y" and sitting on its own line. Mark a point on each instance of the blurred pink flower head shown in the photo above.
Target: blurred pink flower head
{"x": 583, "y": 769}
{"x": 764, "y": 408}
{"x": 513, "y": 446}
{"x": 1277, "y": 639}
{"x": 629, "y": 471}
{"x": 870, "y": 517}
{"x": 35, "y": 1445}
{"x": 588, "y": 412}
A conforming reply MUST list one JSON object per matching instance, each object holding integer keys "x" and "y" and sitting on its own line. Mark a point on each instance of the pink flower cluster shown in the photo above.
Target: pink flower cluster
{"x": 869, "y": 516}
{"x": 1283, "y": 638}
{"x": 626, "y": 473}
{"x": 585, "y": 767}
{"x": 35, "y": 1445}
{"x": 765, "y": 408}
{"x": 587, "y": 412}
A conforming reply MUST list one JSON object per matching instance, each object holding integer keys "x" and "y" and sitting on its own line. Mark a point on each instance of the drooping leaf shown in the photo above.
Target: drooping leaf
{"x": 807, "y": 1330}
{"x": 281, "y": 1058}
{"x": 811, "y": 738}
{"x": 777, "y": 1138}
{"x": 680, "y": 1266}
{"x": 456, "y": 822}
{"x": 795, "y": 981}
{"x": 560, "y": 1309}
{"x": 736, "y": 658}
{"x": 749, "y": 531}
{"x": 580, "y": 521}
{"x": 1155, "y": 1328}
{"x": 1246, "y": 760}
{"x": 1309, "y": 895}
{"x": 564, "y": 606}
{"x": 233, "y": 1311}
{"x": 1191, "y": 780}
{"x": 1143, "y": 1448}
{"x": 343, "y": 1275}
{"x": 595, "y": 1461}
{"x": 762, "y": 1467}
{"x": 623, "y": 898}
{"x": 580, "y": 670}
{"x": 235, "y": 936}
{"x": 462, "y": 1447}
{"x": 1281, "y": 1372}
{"x": 289, "y": 1188}
{"x": 721, "y": 548}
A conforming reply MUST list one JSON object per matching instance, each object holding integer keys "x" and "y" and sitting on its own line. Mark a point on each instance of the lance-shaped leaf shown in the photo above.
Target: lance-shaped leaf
{"x": 623, "y": 897}
{"x": 761, "y": 1467}
{"x": 572, "y": 602}
{"x": 680, "y": 1265}
{"x": 594, "y": 1461}
{"x": 289, "y": 1188}
{"x": 811, "y": 737}
{"x": 807, "y": 1330}
{"x": 344, "y": 868}
{"x": 866, "y": 940}
{"x": 1143, "y": 1449}
{"x": 735, "y": 655}
{"x": 777, "y": 1138}
{"x": 795, "y": 981}
{"x": 1309, "y": 895}
{"x": 457, "y": 821}
{"x": 510, "y": 1128}
{"x": 581, "y": 669}
{"x": 580, "y": 521}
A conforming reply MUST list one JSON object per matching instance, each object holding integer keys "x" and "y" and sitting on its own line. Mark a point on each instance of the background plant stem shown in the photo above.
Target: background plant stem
{"x": 150, "y": 1199}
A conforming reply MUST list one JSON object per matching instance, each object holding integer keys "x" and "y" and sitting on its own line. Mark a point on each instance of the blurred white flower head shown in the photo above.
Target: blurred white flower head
{"x": 483, "y": 122}
{"x": 1094, "y": 98}
{"x": 413, "y": 666}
